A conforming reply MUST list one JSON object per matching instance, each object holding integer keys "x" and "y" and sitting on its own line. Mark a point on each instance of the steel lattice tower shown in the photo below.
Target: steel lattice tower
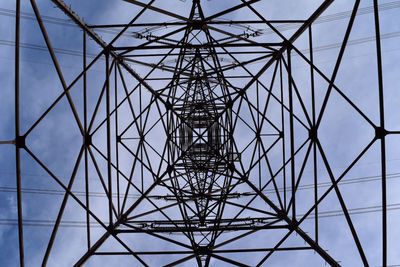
{"x": 200, "y": 137}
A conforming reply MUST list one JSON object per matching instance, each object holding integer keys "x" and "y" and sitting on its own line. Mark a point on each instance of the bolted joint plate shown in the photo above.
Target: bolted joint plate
{"x": 20, "y": 142}
{"x": 313, "y": 133}
{"x": 380, "y": 132}
{"x": 87, "y": 140}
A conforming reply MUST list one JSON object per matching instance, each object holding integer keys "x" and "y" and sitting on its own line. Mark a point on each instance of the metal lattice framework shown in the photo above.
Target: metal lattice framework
{"x": 200, "y": 136}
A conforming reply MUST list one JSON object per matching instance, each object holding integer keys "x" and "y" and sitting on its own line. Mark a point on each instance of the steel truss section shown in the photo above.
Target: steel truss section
{"x": 212, "y": 122}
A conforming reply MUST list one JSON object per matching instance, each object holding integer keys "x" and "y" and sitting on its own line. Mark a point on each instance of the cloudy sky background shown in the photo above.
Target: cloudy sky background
{"x": 343, "y": 133}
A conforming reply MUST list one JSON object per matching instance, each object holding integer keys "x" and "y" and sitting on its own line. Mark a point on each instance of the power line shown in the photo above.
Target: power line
{"x": 315, "y": 49}
{"x": 45, "y": 49}
{"x": 48, "y": 19}
{"x": 82, "y": 224}
{"x": 364, "y": 179}
{"x": 342, "y": 15}
{"x": 323, "y": 19}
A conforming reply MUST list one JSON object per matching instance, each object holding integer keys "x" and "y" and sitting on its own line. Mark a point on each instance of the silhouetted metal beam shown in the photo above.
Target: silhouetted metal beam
{"x": 199, "y": 229}
{"x": 244, "y": 250}
{"x": 178, "y": 23}
{"x": 195, "y": 46}
{"x": 381, "y": 132}
{"x": 17, "y": 135}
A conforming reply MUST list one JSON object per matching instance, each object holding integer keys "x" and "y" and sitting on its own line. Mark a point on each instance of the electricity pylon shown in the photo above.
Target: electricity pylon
{"x": 200, "y": 137}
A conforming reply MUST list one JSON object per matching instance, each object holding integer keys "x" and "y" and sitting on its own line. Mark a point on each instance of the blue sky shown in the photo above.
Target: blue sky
{"x": 343, "y": 133}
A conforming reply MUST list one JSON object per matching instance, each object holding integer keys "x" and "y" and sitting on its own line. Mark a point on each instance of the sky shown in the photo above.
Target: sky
{"x": 343, "y": 132}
